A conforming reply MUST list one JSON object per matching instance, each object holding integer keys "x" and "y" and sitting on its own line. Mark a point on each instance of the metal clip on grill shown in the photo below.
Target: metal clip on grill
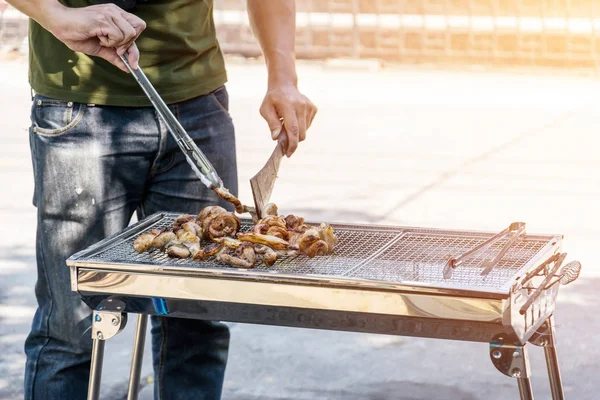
{"x": 568, "y": 274}
{"x": 513, "y": 232}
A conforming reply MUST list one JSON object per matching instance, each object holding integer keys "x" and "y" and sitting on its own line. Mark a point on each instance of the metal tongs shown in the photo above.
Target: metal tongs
{"x": 194, "y": 156}
{"x": 513, "y": 232}
{"x": 552, "y": 276}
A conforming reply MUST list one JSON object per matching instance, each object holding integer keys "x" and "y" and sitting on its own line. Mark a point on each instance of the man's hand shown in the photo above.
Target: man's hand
{"x": 274, "y": 25}
{"x": 104, "y": 31}
{"x": 285, "y": 103}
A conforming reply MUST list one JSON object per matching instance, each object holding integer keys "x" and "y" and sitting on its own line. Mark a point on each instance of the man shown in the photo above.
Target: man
{"x": 100, "y": 154}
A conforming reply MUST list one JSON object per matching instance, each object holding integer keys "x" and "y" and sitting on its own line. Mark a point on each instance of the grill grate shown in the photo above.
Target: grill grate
{"x": 420, "y": 257}
{"x": 365, "y": 253}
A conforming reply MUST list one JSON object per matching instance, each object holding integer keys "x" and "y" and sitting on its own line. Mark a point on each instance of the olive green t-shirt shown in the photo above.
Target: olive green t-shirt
{"x": 179, "y": 53}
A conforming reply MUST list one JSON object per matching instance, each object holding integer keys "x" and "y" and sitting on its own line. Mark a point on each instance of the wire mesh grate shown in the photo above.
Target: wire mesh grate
{"x": 390, "y": 255}
{"x": 420, "y": 257}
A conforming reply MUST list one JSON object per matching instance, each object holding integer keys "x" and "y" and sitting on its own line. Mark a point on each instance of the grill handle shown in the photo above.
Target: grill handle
{"x": 568, "y": 274}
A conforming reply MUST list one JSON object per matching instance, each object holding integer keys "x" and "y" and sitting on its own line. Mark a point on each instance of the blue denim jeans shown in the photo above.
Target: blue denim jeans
{"x": 94, "y": 166}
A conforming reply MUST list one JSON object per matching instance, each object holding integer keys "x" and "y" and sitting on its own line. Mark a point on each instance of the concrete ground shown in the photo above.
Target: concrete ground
{"x": 414, "y": 146}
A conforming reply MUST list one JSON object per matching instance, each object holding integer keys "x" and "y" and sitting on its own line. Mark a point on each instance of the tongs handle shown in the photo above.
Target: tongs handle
{"x": 194, "y": 156}
{"x": 515, "y": 230}
{"x": 567, "y": 275}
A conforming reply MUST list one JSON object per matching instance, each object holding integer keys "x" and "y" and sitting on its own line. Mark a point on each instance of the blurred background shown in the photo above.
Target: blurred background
{"x": 462, "y": 114}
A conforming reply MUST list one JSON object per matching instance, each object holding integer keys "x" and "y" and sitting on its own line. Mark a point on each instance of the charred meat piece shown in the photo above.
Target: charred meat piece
{"x": 234, "y": 261}
{"x": 310, "y": 243}
{"x": 182, "y": 219}
{"x": 261, "y": 229}
{"x": 318, "y": 248}
{"x": 177, "y": 249}
{"x": 272, "y": 225}
{"x": 294, "y": 237}
{"x": 270, "y": 209}
{"x": 229, "y": 256}
{"x": 293, "y": 222}
{"x": 246, "y": 252}
{"x": 163, "y": 238}
{"x": 274, "y": 220}
{"x": 144, "y": 242}
{"x": 220, "y": 225}
{"x": 193, "y": 247}
{"x": 209, "y": 250}
{"x": 208, "y": 212}
{"x": 272, "y": 241}
{"x": 287, "y": 253}
{"x": 328, "y": 236}
{"x": 192, "y": 227}
{"x": 268, "y": 255}
{"x": 279, "y": 232}
{"x": 229, "y": 242}
{"x": 228, "y": 197}
{"x": 186, "y": 236}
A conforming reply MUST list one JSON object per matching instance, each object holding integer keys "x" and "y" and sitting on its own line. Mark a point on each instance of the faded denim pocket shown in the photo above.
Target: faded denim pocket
{"x": 52, "y": 117}
{"x": 221, "y": 99}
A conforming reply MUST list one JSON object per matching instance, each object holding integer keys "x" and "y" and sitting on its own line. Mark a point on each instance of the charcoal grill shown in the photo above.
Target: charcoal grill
{"x": 446, "y": 284}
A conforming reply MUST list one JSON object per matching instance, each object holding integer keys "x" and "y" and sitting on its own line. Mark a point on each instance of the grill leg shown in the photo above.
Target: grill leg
{"x": 545, "y": 337}
{"x": 510, "y": 357}
{"x": 137, "y": 357}
{"x": 96, "y": 369}
{"x": 107, "y": 321}
{"x": 549, "y": 344}
{"x": 525, "y": 389}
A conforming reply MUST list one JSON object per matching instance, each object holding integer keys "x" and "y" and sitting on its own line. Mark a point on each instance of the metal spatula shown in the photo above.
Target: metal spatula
{"x": 263, "y": 182}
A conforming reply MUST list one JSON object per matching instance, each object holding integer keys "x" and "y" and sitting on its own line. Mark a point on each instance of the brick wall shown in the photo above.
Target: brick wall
{"x": 562, "y": 33}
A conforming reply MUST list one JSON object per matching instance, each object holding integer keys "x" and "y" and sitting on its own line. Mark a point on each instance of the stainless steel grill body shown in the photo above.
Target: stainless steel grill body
{"x": 390, "y": 280}
{"x": 379, "y": 279}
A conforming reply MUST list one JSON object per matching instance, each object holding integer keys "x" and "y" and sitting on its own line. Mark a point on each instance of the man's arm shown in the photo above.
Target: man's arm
{"x": 274, "y": 25}
{"x": 103, "y": 30}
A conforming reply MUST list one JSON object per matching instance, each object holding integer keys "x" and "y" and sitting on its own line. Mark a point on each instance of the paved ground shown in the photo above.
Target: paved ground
{"x": 415, "y": 146}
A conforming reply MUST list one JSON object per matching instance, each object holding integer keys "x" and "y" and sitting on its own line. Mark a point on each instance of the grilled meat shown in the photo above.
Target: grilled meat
{"x": 163, "y": 238}
{"x": 182, "y": 219}
{"x": 193, "y": 228}
{"x": 228, "y": 242}
{"x": 272, "y": 237}
{"x": 270, "y": 209}
{"x": 272, "y": 241}
{"x": 177, "y": 249}
{"x": 186, "y": 236}
{"x": 267, "y": 254}
{"x": 328, "y": 236}
{"x": 220, "y": 225}
{"x": 234, "y": 261}
{"x": 310, "y": 243}
{"x": 212, "y": 249}
{"x": 144, "y": 242}
{"x": 207, "y": 212}
{"x": 193, "y": 246}
{"x": 293, "y": 222}
{"x": 228, "y": 197}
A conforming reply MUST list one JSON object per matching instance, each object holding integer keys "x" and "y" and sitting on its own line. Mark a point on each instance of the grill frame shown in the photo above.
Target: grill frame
{"x": 115, "y": 289}
{"x": 90, "y": 258}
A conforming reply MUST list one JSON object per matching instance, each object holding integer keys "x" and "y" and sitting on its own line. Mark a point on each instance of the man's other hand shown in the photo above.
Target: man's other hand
{"x": 284, "y": 107}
